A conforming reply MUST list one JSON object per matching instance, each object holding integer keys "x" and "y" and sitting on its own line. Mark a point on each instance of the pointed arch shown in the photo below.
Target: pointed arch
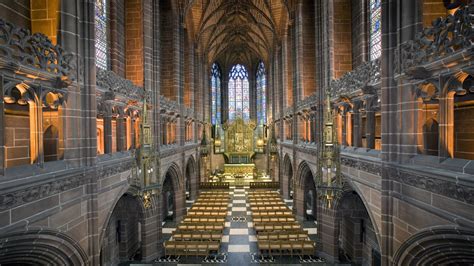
{"x": 41, "y": 247}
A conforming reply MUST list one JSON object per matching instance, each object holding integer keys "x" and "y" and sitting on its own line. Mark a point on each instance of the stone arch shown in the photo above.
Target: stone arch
{"x": 437, "y": 246}
{"x": 41, "y": 247}
{"x": 190, "y": 178}
{"x": 305, "y": 193}
{"x": 121, "y": 237}
{"x": 287, "y": 177}
{"x": 357, "y": 235}
{"x": 172, "y": 194}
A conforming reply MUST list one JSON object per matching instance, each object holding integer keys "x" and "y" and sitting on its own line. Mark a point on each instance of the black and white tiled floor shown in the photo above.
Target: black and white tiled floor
{"x": 239, "y": 241}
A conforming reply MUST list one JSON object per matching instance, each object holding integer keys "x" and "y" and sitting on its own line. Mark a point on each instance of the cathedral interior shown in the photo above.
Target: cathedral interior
{"x": 237, "y": 132}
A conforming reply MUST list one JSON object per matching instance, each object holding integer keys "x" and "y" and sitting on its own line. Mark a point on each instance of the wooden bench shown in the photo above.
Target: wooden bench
{"x": 264, "y": 185}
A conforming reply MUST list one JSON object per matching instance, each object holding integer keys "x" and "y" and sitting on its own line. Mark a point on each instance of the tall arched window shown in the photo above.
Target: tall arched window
{"x": 375, "y": 29}
{"x": 216, "y": 94}
{"x": 261, "y": 94}
{"x": 101, "y": 34}
{"x": 239, "y": 105}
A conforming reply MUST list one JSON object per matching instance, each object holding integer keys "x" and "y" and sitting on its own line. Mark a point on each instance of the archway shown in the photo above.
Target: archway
{"x": 357, "y": 239}
{"x": 40, "y": 247}
{"x": 123, "y": 238}
{"x": 305, "y": 193}
{"x": 190, "y": 181}
{"x": 287, "y": 180}
{"x": 310, "y": 206}
{"x": 168, "y": 199}
{"x": 437, "y": 246}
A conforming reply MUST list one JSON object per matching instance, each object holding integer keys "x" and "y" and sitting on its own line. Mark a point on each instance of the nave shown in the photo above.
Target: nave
{"x": 256, "y": 227}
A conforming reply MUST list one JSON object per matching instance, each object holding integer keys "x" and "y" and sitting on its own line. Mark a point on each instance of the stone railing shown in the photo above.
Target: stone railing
{"x": 168, "y": 106}
{"x": 109, "y": 81}
{"x": 19, "y": 46}
{"x": 446, "y": 36}
{"x": 288, "y": 111}
{"x": 361, "y": 78}
{"x": 188, "y": 112}
{"x": 307, "y": 102}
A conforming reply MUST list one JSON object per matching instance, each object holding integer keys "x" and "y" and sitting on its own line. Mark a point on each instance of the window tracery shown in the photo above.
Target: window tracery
{"x": 216, "y": 94}
{"x": 239, "y": 104}
{"x": 261, "y": 94}
{"x": 101, "y": 34}
{"x": 375, "y": 29}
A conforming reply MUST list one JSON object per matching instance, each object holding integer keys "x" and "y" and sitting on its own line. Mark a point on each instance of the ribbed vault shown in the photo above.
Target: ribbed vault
{"x": 236, "y": 31}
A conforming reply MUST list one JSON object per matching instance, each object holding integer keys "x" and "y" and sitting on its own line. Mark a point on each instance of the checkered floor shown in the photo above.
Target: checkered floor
{"x": 239, "y": 240}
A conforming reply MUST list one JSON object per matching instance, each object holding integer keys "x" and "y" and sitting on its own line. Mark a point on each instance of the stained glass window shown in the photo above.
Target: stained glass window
{"x": 375, "y": 29}
{"x": 261, "y": 96}
{"x": 239, "y": 103}
{"x": 101, "y": 34}
{"x": 216, "y": 94}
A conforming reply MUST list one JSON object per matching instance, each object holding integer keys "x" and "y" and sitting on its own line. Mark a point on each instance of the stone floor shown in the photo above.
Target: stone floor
{"x": 239, "y": 242}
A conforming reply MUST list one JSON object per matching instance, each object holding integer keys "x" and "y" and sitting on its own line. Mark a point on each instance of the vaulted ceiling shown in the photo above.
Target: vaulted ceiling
{"x": 236, "y": 31}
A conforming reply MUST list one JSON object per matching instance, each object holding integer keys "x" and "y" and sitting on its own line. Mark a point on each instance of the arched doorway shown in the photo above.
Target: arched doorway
{"x": 357, "y": 239}
{"x": 123, "y": 239}
{"x": 304, "y": 200}
{"x": 309, "y": 197}
{"x": 287, "y": 182}
{"x": 168, "y": 199}
{"x": 190, "y": 179}
{"x": 40, "y": 247}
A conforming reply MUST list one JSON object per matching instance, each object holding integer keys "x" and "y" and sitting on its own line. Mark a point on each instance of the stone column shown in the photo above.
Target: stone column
{"x": 356, "y": 126}
{"x": 328, "y": 233}
{"x": 108, "y": 130}
{"x": 370, "y": 121}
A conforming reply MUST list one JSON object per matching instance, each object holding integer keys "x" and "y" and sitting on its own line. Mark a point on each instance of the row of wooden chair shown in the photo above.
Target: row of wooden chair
{"x": 209, "y": 208}
{"x": 200, "y": 232}
{"x": 214, "y": 185}
{"x": 278, "y": 232}
{"x": 208, "y": 213}
{"x": 268, "y": 208}
{"x": 203, "y": 219}
{"x": 272, "y": 226}
{"x": 272, "y": 247}
{"x": 190, "y": 248}
{"x": 264, "y": 199}
{"x": 264, "y": 185}
{"x": 210, "y": 203}
{"x": 271, "y": 213}
{"x": 274, "y": 219}
{"x": 214, "y": 192}
{"x": 270, "y": 203}
{"x": 191, "y": 235}
{"x": 283, "y": 235}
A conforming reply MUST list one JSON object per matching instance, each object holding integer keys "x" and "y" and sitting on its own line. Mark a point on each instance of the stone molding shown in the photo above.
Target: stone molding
{"x": 112, "y": 82}
{"x": 36, "y": 191}
{"x": 365, "y": 77}
{"x": 35, "y": 50}
{"x": 372, "y": 168}
{"x": 446, "y": 36}
{"x": 449, "y": 188}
